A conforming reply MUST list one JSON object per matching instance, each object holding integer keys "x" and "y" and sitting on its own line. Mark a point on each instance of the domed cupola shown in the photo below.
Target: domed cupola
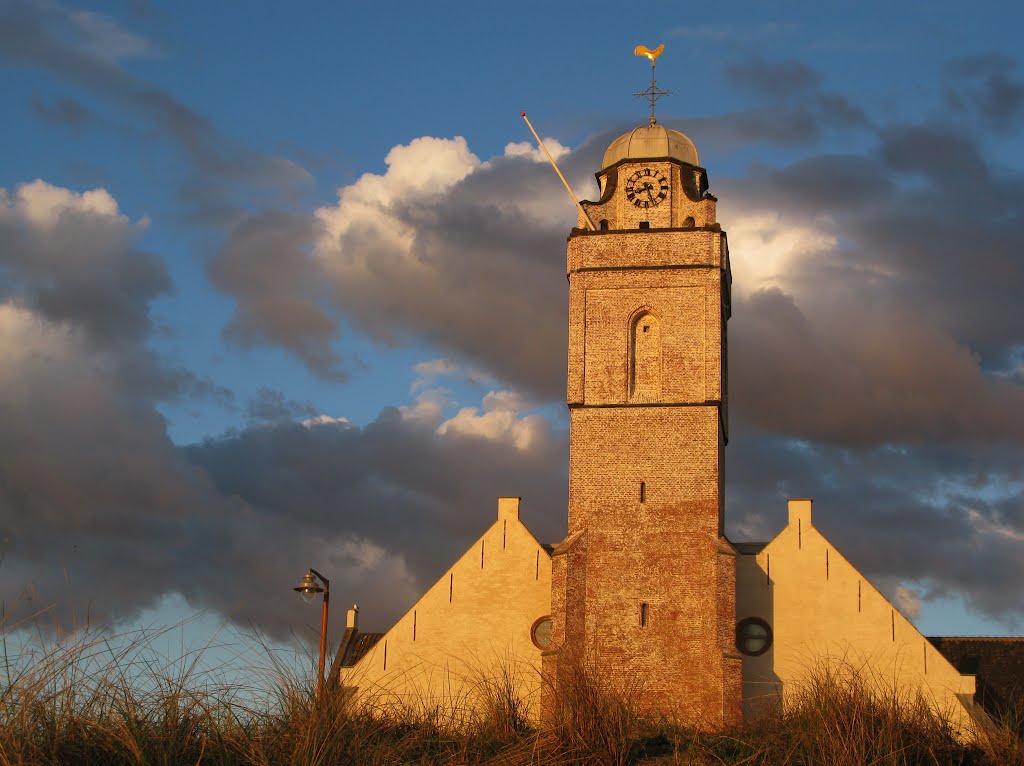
{"x": 650, "y": 142}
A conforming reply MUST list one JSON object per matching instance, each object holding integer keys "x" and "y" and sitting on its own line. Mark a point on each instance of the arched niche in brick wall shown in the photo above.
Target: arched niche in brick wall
{"x": 644, "y": 356}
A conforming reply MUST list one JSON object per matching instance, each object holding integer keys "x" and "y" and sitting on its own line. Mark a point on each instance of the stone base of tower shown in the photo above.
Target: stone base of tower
{"x": 675, "y": 660}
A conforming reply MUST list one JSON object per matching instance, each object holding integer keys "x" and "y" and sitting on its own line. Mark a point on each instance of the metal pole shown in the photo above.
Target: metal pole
{"x": 323, "y": 635}
{"x": 590, "y": 224}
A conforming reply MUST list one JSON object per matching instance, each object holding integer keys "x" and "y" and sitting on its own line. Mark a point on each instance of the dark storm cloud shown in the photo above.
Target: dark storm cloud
{"x": 63, "y": 111}
{"x": 925, "y": 223}
{"x": 857, "y": 376}
{"x": 266, "y": 262}
{"x": 492, "y": 273}
{"x": 101, "y": 515}
{"x": 273, "y": 406}
{"x": 78, "y": 265}
{"x": 948, "y": 518}
{"x": 83, "y": 49}
{"x": 989, "y": 85}
{"x": 476, "y": 269}
{"x": 772, "y": 79}
{"x": 395, "y": 483}
{"x": 794, "y": 123}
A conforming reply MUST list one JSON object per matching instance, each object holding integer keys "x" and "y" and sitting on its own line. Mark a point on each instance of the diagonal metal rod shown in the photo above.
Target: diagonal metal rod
{"x": 590, "y": 224}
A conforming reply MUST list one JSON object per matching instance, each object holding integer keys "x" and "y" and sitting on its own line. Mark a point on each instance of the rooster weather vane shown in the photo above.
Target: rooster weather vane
{"x": 653, "y": 92}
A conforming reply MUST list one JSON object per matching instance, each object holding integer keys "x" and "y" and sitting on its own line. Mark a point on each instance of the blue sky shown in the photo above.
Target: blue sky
{"x": 280, "y": 289}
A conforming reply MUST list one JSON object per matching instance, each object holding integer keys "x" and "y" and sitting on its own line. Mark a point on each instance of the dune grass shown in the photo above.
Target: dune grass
{"x": 94, "y": 698}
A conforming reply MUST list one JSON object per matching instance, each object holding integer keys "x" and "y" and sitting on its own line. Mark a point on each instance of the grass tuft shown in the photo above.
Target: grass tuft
{"x": 91, "y": 698}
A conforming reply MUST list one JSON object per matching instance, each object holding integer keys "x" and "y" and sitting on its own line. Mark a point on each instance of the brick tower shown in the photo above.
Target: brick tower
{"x": 643, "y": 586}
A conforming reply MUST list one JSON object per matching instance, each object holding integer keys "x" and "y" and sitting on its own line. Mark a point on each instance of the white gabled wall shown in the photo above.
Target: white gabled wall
{"x": 824, "y": 612}
{"x": 472, "y": 624}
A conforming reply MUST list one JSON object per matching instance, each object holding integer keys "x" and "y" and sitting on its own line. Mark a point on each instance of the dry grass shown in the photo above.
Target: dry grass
{"x": 93, "y": 699}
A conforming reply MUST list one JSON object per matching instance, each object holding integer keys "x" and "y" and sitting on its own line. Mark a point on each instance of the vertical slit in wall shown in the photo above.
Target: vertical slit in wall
{"x": 799, "y": 533}
{"x": 482, "y": 554}
{"x": 451, "y": 586}
{"x": 643, "y": 491}
{"x": 504, "y": 531}
{"x": 826, "y": 563}
{"x": 385, "y": 655}
{"x": 643, "y": 614}
{"x": 858, "y": 595}
{"x": 892, "y": 618}
{"x": 768, "y": 569}
{"x": 413, "y": 624}
{"x": 536, "y": 575}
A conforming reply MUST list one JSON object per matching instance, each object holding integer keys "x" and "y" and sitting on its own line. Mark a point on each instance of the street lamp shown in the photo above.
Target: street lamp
{"x": 308, "y": 589}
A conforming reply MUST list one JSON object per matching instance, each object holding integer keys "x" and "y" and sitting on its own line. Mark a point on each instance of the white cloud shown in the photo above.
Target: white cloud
{"x": 985, "y": 527}
{"x": 528, "y": 150}
{"x": 370, "y": 208}
{"x": 36, "y": 351}
{"x": 42, "y": 205}
{"x": 907, "y": 601}
{"x": 326, "y": 420}
{"x": 500, "y": 420}
{"x": 427, "y": 408}
{"x": 766, "y": 250}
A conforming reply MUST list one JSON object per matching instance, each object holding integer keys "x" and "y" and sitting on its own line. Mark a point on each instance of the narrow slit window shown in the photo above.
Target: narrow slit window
{"x": 643, "y": 491}
{"x": 643, "y": 614}
{"x": 413, "y": 624}
{"x": 451, "y": 586}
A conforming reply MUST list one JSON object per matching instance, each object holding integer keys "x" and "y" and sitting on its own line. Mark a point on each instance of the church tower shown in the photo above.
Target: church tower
{"x": 643, "y": 586}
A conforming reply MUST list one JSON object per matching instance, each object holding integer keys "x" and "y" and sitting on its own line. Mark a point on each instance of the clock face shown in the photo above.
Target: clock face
{"x": 646, "y": 188}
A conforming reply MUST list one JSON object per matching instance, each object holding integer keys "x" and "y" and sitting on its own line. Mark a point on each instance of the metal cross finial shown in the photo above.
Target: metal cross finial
{"x": 653, "y": 92}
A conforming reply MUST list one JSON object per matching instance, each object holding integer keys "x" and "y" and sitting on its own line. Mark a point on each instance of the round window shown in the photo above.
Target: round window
{"x": 753, "y": 636}
{"x": 540, "y": 633}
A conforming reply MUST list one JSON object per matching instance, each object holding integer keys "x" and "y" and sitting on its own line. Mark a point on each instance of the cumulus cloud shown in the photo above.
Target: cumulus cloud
{"x": 414, "y": 488}
{"x": 442, "y": 247}
{"x": 72, "y": 255}
{"x": 531, "y": 151}
{"x": 500, "y": 420}
{"x": 101, "y": 515}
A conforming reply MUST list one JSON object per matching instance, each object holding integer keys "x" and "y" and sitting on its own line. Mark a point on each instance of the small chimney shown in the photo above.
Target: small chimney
{"x": 352, "y": 617}
{"x": 508, "y": 508}
{"x": 800, "y": 512}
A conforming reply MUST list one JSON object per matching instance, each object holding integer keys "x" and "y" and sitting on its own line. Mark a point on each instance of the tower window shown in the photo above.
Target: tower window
{"x": 645, "y": 224}
{"x": 643, "y": 614}
{"x": 603, "y": 224}
{"x": 643, "y": 491}
{"x": 689, "y": 221}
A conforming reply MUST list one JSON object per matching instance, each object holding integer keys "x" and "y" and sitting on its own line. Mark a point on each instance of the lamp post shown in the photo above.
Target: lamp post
{"x": 308, "y": 588}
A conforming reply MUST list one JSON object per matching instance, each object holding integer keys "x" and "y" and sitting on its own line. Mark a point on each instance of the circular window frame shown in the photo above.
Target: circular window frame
{"x": 533, "y": 632}
{"x": 769, "y": 635}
